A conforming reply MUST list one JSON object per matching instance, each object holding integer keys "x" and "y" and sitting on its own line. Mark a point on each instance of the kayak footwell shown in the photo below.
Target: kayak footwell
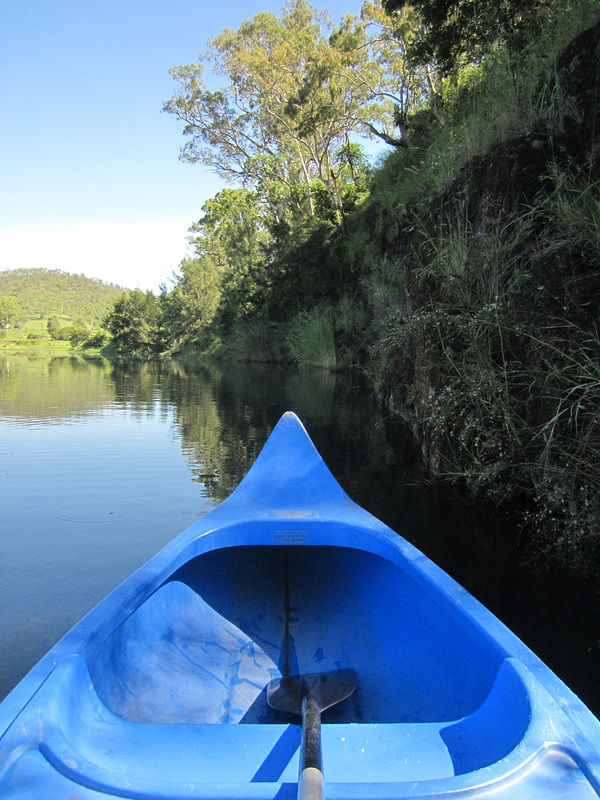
{"x": 205, "y": 644}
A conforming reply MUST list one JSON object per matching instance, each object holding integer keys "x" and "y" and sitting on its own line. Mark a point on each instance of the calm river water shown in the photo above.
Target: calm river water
{"x": 101, "y": 465}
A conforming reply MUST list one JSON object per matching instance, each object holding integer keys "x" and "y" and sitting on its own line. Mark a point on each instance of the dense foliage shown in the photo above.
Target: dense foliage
{"x": 134, "y": 324}
{"x": 459, "y": 271}
{"x": 10, "y": 311}
{"x": 457, "y": 32}
{"x": 482, "y": 270}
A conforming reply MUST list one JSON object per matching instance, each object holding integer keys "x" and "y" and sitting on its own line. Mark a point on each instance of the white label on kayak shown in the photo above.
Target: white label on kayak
{"x": 291, "y": 537}
{"x": 293, "y": 513}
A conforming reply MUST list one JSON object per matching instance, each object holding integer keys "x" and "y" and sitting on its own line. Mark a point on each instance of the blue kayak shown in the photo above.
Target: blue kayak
{"x": 161, "y": 691}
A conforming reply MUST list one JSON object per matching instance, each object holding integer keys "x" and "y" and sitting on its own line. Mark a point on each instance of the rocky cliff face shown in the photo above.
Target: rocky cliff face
{"x": 492, "y": 356}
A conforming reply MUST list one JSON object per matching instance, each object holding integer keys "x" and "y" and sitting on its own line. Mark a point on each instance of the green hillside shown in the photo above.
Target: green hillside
{"x": 50, "y": 309}
{"x": 42, "y": 293}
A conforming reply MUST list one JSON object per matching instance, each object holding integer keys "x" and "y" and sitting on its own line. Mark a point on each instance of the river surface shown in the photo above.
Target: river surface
{"x": 101, "y": 465}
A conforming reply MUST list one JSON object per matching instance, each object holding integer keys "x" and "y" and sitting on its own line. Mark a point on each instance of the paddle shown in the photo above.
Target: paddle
{"x": 308, "y": 696}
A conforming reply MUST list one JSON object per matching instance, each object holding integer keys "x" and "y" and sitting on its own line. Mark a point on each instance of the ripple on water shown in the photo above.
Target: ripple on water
{"x": 100, "y": 510}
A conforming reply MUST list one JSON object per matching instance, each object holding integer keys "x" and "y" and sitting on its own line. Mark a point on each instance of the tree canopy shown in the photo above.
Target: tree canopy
{"x": 10, "y": 311}
{"x": 282, "y": 108}
{"x": 455, "y": 30}
{"x": 134, "y": 324}
{"x": 292, "y": 93}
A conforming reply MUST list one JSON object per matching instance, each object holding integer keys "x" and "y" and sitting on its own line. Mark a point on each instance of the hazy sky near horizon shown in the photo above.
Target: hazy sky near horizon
{"x": 89, "y": 171}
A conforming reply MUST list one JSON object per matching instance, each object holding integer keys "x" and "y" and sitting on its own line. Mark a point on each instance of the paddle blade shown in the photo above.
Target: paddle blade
{"x": 328, "y": 688}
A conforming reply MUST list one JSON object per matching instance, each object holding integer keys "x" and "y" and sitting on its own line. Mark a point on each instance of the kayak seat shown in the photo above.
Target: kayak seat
{"x": 495, "y": 729}
{"x": 85, "y": 742}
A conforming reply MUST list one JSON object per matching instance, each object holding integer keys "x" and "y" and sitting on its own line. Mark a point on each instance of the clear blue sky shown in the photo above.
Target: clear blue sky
{"x": 90, "y": 179}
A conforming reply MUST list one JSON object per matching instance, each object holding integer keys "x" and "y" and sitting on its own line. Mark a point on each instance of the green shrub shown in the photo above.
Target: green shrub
{"x": 97, "y": 339}
{"x": 250, "y": 340}
{"x": 311, "y": 338}
{"x": 78, "y": 335}
{"x": 349, "y": 317}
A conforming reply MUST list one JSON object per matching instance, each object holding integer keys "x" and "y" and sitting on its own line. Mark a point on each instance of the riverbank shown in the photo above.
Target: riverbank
{"x": 485, "y": 343}
{"x": 472, "y": 297}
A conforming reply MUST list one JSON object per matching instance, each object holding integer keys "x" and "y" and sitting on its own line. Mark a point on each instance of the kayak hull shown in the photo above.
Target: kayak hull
{"x": 160, "y": 691}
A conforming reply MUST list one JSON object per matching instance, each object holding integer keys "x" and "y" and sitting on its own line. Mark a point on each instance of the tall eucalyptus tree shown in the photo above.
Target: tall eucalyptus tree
{"x": 291, "y": 94}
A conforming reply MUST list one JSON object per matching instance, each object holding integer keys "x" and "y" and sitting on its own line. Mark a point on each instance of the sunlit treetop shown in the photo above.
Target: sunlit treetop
{"x": 293, "y": 91}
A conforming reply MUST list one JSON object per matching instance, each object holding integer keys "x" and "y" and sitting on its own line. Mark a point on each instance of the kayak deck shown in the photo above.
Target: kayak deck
{"x": 179, "y": 687}
{"x": 161, "y": 690}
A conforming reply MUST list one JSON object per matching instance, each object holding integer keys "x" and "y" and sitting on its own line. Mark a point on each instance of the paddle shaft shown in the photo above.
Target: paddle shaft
{"x": 311, "y": 731}
{"x": 309, "y": 695}
{"x": 310, "y": 782}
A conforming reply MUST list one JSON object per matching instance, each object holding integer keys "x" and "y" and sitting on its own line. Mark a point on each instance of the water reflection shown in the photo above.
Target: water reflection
{"x": 50, "y": 390}
{"x": 102, "y": 464}
{"x": 224, "y": 416}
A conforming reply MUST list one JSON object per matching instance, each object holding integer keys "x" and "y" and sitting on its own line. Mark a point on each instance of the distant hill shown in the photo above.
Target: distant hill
{"x": 45, "y": 292}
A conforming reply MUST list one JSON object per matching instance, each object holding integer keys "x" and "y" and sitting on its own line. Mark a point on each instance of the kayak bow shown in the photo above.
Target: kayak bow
{"x": 162, "y": 691}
